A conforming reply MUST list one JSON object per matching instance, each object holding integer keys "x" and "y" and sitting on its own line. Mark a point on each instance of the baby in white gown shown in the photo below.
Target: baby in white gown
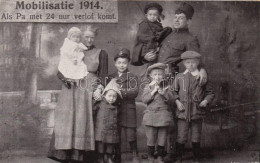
{"x": 71, "y": 63}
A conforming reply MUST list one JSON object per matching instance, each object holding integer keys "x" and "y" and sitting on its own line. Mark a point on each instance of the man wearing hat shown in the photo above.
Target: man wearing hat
{"x": 179, "y": 41}
{"x": 129, "y": 90}
{"x": 191, "y": 100}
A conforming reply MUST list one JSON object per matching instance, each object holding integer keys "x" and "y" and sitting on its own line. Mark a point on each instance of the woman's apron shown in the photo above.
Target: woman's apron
{"x": 74, "y": 126}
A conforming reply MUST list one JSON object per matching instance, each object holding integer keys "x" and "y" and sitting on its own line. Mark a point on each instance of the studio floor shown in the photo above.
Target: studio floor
{"x": 216, "y": 156}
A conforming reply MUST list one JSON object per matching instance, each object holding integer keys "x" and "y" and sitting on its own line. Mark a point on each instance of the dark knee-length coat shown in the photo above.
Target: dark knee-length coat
{"x": 127, "y": 108}
{"x": 106, "y": 122}
{"x": 149, "y": 36}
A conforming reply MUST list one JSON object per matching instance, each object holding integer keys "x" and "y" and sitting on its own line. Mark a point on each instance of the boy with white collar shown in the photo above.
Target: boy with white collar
{"x": 191, "y": 100}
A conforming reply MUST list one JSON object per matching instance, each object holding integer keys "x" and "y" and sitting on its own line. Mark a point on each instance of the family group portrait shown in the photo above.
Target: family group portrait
{"x": 171, "y": 81}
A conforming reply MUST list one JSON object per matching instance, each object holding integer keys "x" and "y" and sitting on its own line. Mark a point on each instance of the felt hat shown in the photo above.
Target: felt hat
{"x": 123, "y": 53}
{"x": 187, "y": 9}
{"x": 153, "y": 6}
{"x": 156, "y": 66}
{"x": 190, "y": 55}
{"x": 113, "y": 85}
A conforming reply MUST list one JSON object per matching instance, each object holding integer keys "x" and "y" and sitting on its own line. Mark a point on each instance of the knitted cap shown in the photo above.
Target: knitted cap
{"x": 153, "y": 6}
{"x": 73, "y": 30}
{"x": 112, "y": 85}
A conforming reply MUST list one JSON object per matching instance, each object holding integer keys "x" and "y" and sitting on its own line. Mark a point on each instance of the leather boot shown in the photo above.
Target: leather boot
{"x": 100, "y": 158}
{"x": 179, "y": 151}
{"x": 151, "y": 150}
{"x": 160, "y": 150}
{"x": 196, "y": 151}
{"x": 133, "y": 146}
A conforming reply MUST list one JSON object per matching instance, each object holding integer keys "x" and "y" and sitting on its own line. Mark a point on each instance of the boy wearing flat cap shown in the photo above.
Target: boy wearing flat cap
{"x": 150, "y": 33}
{"x": 191, "y": 100}
{"x": 157, "y": 116}
{"x": 129, "y": 90}
{"x": 179, "y": 41}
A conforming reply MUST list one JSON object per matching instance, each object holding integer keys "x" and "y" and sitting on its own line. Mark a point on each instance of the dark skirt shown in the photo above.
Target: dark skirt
{"x": 72, "y": 155}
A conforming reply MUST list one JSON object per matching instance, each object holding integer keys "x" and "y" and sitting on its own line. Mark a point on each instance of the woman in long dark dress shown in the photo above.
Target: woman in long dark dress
{"x": 73, "y": 136}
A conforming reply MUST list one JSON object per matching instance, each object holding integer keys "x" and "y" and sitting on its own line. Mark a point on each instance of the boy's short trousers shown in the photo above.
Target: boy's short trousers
{"x": 156, "y": 135}
{"x": 183, "y": 128}
{"x": 105, "y": 147}
{"x": 129, "y": 133}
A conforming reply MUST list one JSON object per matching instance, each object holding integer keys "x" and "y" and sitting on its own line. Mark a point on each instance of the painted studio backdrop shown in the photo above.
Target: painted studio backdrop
{"x": 228, "y": 33}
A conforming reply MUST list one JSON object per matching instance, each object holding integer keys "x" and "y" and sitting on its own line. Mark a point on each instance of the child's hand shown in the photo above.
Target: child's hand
{"x": 97, "y": 95}
{"x": 156, "y": 88}
{"x": 161, "y": 91}
{"x": 180, "y": 106}
{"x": 203, "y": 103}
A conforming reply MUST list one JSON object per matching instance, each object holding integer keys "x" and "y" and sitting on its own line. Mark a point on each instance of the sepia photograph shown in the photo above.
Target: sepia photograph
{"x": 122, "y": 81}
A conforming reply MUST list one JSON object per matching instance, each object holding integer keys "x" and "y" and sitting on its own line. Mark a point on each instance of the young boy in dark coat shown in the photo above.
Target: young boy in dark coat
{"x": 151, "y": 32}
{"x": 129, "y": 89}
{"x": 106, "y": 123}
{"x": 191, "y": 100}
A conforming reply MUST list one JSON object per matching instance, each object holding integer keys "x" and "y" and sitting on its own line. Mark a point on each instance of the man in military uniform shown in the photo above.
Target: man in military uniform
{"x": 179, "y": 41}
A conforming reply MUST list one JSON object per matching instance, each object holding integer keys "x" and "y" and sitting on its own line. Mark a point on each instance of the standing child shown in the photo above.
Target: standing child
{"x": 106, "y": 123}
{"x": 151, "y": 32}
{"x": 71, "y": 64}
{"x": 157, "y": 116}
{"x": 129, "y": 89}
{"x": 191, "y": 100}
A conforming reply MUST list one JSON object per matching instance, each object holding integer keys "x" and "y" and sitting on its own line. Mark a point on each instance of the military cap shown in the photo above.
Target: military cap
{"x": 186, "y": 9}
{"x": 190, "y": 55}
{"x": 153, "y": 6}
{"x": 123, "y": 53}
{"x": 156, "y": 66}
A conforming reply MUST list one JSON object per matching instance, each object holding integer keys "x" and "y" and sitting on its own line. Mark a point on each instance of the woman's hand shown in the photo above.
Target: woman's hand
{"x": 180, "y": 106}
{"x": 203, "y": 103}
{"x": 150, "y": 56}
{"x": 202, "y": 76}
